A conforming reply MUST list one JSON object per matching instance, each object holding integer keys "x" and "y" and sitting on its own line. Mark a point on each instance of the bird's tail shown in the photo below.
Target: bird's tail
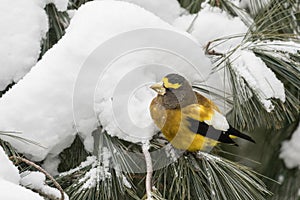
{"x": 233, "y": 132}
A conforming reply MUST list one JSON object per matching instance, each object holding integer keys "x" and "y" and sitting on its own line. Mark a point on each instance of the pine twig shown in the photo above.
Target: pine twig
{"x": 149, "y": 167}
{"x": 28, "y": 162}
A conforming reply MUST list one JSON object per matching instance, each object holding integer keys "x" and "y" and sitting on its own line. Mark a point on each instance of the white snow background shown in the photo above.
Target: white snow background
{"x": 23, "y": 25}
{"x": 40, "y": 104}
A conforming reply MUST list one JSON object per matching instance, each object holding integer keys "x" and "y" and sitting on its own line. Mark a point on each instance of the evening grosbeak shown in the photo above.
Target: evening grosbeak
{"x": 187, "y": 119}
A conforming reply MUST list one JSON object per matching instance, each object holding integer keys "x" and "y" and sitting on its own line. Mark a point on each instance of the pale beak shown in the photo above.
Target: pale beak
{"x": 159, "y": 88}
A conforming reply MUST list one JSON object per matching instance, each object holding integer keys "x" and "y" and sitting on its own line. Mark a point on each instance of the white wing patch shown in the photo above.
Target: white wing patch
{"x": 218, "y": 121}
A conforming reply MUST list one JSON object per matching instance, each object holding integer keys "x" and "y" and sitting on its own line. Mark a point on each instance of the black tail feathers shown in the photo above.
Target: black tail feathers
{"x": 234, "y": 132}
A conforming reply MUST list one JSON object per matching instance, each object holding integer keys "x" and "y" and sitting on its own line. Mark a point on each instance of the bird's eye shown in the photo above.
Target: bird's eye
{"x": 169, "y": 89}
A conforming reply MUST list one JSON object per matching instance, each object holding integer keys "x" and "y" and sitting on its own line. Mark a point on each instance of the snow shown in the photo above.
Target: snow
{"x": 167, "y": 10}
{"x": 123, "y": 105}
{"x": 89, "y": 161}
{"x": 8, "y": 171}
{"x": 71, "y": 13}
{"x": 246, "y": 65}
{"x": 61, "y": 5}
{"x": 259, "y": 77}
{"x": 11, "y": 191}
{"x": 276, "y": 45}
{"x": 55, "y": 128}
{"x": 51, "y": 121}
{"x": 171, "y": 153}
{"x": 126, "y": 182}
{"x": 51, "y": 164}
{"x": 9, "y": 181}
{"x": 209, "y": 24}
{"x": 49, "y": 107}
{"x": 280, "y": 179}
{"x": 218, "y": 121}
{"x": 96, "y": 74}
{"x": 23, "y": 25}
{"x": 290, "y": 150}
{"x": 36, "y": 181}
{"x": 100, "y": 170}
{"x": 33, "y": 179}
{"x": 282, "y": 50}
{"x": 212, "y": 23}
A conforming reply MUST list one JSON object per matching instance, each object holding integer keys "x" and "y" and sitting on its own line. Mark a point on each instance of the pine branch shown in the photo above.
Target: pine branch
{"x": 102, "y": 175}
{"x": 8, "y": 149}
{"x": 246, "y": 102}
{"x": 72, "y": 156}
{"x": 192, "y": 176}
{"x": 204, "y": 176}
{"x": 193, "y": 6}
{"x": 58, "y": 22}
{"x": 276, "y": 20}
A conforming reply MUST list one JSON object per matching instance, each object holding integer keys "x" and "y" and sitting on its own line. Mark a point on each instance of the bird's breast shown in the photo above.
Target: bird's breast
{"x": 174, "y": 125}
{"x": 168, "y": 121}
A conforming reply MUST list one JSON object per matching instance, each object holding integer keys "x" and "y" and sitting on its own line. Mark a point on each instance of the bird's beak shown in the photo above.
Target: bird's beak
{"x": 159, "y": 88}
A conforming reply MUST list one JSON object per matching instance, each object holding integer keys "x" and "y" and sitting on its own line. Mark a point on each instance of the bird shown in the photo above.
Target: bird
{"x": 187, "y": 119}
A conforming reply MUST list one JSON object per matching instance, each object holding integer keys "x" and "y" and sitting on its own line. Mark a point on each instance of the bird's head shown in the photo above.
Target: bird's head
{"x": 175, "y": 91}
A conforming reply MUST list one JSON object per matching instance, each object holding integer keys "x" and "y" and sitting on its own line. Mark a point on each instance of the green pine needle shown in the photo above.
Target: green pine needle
{"x": 206, "y": 176}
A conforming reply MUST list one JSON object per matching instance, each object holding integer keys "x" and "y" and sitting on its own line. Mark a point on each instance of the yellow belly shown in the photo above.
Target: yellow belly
{"x": 174, "y": 126}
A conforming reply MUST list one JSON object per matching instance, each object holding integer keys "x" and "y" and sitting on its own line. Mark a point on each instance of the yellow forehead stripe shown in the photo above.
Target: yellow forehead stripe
{"x": 167, "y": 84}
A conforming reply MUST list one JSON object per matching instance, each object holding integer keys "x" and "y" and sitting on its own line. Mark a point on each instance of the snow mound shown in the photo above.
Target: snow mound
{"x": 290, "y": 150}
{"x": 23, "y": 25}
{"x": 40, "y": 105}
{"x": 167, "y": 10}
{"x": 259, "y": 77}
{"x": 11, "y": 191}
{"x": 36, "y": 181}
{"x": 212, "y": 23}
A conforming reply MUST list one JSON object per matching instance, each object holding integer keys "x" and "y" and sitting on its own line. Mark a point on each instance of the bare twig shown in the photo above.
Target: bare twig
{"x": 41, "y": 170}
{"x": 149, "y": 167}
{"x": 211, "y": 52}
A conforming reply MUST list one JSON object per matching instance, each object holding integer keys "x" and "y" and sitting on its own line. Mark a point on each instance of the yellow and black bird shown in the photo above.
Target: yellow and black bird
{"x": 187, "y": 119}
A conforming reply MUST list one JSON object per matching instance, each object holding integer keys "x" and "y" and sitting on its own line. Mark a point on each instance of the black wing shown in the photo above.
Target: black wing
{"x": 208, "y": 131}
